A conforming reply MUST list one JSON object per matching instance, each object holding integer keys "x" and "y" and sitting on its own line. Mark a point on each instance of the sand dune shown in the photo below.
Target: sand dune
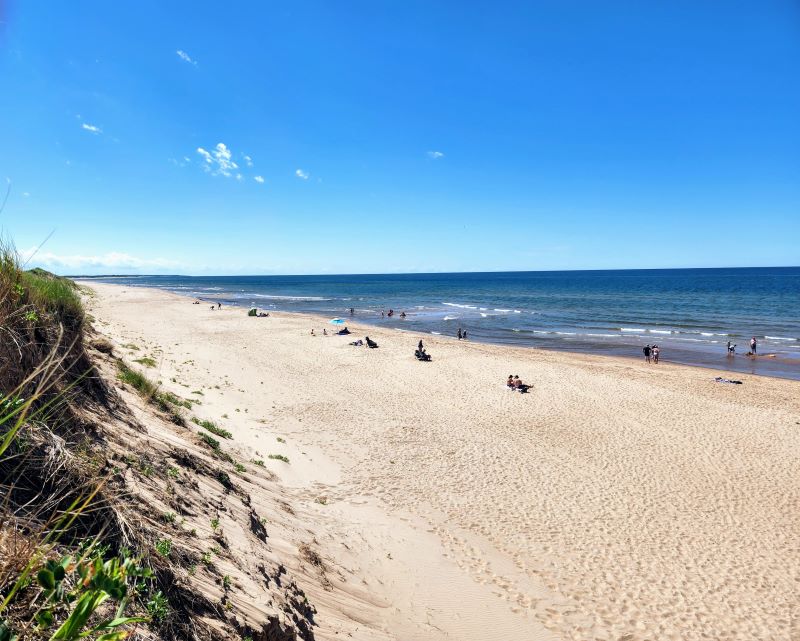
{"x": 614, "y": 501}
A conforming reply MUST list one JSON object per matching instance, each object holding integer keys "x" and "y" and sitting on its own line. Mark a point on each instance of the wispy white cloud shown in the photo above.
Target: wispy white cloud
{"x": 301, "y": 174}
{"x": 259, "y": 179}
{"x": 185, "y": 57}
{"x": 91, "y": 128}
{"x": 110, "y": 260}
{"x": 26, "y": 194}
{"x": 248, "y": 161}
{"x": 219, "y": 161}
{"x": 435, "y": 155}
{"x": 182, "y": 162}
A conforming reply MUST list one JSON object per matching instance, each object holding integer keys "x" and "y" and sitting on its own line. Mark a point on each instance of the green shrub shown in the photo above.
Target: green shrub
{"x": 210, "y": 441}
{"x": 212, "y": 427}
{"x": 279, "y": 457}
{"x": 165, "y": 401}
{"x": 158, "y": 607}
{"x": 136, "y": 380}
{"x": 164, "y": 547}
{"x": 80, "y": 587}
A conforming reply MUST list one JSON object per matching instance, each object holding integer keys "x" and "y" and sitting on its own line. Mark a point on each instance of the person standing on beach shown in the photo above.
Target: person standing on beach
{"x": 459, "y": 333}
{"x": 656, "y": 354}
{"x": 464, "y": 334}
{"x": 646, "y": 350}
{"x": 754, "y": 345}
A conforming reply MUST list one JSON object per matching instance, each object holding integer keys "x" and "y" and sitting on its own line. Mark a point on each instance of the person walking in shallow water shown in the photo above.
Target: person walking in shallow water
{"x": 646, "y": 351}
{"x": 754, "y": 345}
{"x": 459, "y": 333}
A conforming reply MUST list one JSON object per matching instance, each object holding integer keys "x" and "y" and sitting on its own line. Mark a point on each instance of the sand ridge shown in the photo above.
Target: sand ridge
{"x": 614, "y": 501}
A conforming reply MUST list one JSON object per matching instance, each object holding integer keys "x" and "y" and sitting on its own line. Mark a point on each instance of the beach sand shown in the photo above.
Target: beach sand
{"x": 615, "y": 501}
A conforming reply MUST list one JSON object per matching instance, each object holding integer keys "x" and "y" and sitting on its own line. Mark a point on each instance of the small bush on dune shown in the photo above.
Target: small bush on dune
{"x": 165, "y": 401}
{"x": 212, "y": 427}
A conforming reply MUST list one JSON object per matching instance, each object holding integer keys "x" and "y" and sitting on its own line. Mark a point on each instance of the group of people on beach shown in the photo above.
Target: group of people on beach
{"x": 346, "y": 332}
{"x": 651, "y": 353}
{"x": 213, "y": 305}
{"x": 753, "y": 348}
{"x": 515, "y": 383}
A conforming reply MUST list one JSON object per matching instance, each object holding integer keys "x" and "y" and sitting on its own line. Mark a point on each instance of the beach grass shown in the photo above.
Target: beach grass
{"x": 212, "y": 427}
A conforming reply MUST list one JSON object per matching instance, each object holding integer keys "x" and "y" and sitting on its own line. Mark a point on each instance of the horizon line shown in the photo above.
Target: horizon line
{"x": 449, "y": 273}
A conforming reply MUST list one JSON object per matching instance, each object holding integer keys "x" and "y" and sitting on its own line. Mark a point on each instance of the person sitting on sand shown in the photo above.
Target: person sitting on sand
{"x": 510, "y": 381}
{"x": 197, "y": 302}
{"x": 343, "y": 332}
{"x": 324, "y": 332}
{"x": 520, "y": 386}
{"x": 370, "y": 343}
{"x": 312, "y": 332}
{"x": 357, "y": 343}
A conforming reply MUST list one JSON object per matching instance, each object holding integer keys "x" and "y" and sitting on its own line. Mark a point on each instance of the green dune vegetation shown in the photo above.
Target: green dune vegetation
{"x": 97, "y": 537}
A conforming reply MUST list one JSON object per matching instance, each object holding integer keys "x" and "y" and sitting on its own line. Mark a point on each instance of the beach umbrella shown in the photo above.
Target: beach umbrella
{"x": 337, "y": 321}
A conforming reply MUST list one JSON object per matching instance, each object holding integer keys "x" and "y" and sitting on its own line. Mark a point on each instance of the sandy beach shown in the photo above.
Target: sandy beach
{"x": 614, "y": 501}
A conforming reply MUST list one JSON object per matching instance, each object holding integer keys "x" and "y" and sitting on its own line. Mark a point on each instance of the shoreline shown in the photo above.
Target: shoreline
{"x": 790, "y": 374}
{"x": 615, "y": 499}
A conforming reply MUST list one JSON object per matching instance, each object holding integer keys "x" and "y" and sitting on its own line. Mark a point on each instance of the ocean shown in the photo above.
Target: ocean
{"x": 690, "y": 313}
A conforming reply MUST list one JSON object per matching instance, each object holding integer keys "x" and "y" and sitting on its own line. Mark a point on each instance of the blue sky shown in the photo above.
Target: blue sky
{"x": 350, "y": 137}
